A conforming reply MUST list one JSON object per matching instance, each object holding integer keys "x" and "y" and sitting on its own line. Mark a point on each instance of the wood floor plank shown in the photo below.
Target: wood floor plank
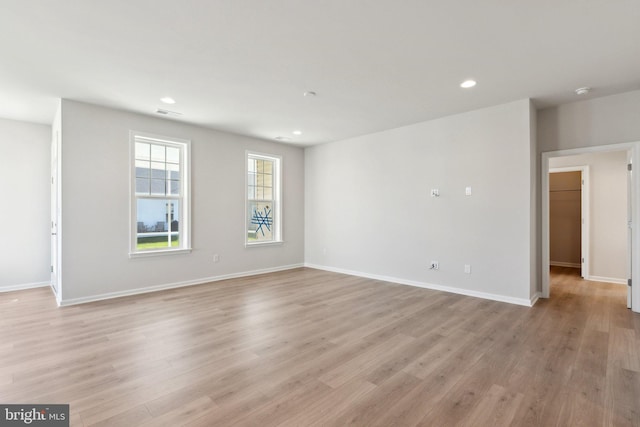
{"x": 578, "y": 411}
{"x": 284, "y": 405}
{"x": 366, "y": 361}
{"x": 373, "y": 405}
{"x": 624, "y": 349}
{"x": 305, "y": 347}
{"x": 622, "y": 405}
{"x": 461, "y": 400}
{"x": 185, "y": 413}
{"x": 230, "y": 412}
{"x": 497, "y": 407}
{"x": 132, "y": 417}
{"x": 337, "y": 402}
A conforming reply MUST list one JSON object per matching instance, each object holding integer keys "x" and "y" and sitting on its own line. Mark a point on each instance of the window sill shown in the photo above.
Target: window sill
{"x": 146, "y": 254}
{"x": 259, "y": 244}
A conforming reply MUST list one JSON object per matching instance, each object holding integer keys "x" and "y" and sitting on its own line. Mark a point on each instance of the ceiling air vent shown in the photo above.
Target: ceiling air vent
{"x": 168, "y": 113}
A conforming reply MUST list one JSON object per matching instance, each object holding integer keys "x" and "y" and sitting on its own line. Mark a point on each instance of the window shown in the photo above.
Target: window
{"x": 263, "y": 214}
{"x": 160, "y": 210}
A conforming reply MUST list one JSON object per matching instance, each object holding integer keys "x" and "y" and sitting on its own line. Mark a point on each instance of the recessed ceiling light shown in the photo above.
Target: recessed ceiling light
{"x": 310, "y": 93}
{"x": 468, "y": 83}
{"x": 583, "y": 90}
{"x": 282, "y": 138}
{"x": 168, "y": 100}
{"x": 297, "y": 132}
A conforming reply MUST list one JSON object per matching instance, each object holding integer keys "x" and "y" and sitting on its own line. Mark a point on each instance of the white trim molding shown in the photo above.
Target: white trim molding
{"x": 467, "y": 292}
{"x": 165, "y": 286}
{"x": 535, "y": 298}
{"x": 565, "y": 264}
{"x": 607, "y": 280}
{"x": 24, "y": 286}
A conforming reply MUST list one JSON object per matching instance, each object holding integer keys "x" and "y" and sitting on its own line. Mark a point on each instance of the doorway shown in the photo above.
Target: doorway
{"x": 569, "y": 217}
{"x": 610, "y": 239}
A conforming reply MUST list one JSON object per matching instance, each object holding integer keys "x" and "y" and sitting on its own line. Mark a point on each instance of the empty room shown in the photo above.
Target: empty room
{"x": 246, "y": 213}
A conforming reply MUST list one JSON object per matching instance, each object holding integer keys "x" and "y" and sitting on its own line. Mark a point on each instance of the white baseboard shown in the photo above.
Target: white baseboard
{"x": 565, "y": 264}
{"x": 467, "y": 292}
{"x": 23, "y": 286}
{"x": 535, "y": 298}
{"x": 607, "y": 279}
{"x": 129, "y": 292}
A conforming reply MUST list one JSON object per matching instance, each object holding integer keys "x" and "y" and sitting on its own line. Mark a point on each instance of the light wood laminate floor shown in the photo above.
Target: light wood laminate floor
{"x": 307, "y": 347}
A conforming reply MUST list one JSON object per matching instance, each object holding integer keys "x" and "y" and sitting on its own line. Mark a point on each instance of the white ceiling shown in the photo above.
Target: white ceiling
{"x": 243, "y": 65}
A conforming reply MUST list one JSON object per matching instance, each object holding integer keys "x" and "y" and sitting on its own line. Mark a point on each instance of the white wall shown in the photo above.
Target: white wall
{"x": 95, "y": 190}
{"x": 24, "y": 215}
{"x": 368, "y": 209}
{"x": 607, "y": 212}
{"x": 600, "y": 121}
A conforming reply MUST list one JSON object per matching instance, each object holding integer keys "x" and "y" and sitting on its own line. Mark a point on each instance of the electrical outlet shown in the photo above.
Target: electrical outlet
{"x": 467, "y": 268}
{"x": 435, "y": 265}
{"x": 435, "y": 192}
{"x": 216, "y": 258}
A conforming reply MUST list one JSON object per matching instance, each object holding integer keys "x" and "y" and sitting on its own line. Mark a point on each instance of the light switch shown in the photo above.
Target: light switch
{"x": 467, "y": 191}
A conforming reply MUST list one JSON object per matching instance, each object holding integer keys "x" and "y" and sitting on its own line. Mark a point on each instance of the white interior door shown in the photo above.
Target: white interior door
{"x": 55, "y": 158}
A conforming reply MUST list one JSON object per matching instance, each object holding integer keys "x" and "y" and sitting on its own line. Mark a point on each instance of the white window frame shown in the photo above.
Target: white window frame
{"x": 277, "y": 198}
{"x": 184, "y": 229}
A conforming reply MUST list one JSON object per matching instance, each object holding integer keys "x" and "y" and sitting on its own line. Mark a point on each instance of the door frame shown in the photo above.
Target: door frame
{"x": 584, "y": 214}
{"x": 634, "y": 147}
{"x": 56, "y": 210}
{"x": 630, "y": 199}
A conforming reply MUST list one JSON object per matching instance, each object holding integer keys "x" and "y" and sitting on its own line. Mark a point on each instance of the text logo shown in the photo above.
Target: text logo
{"x": 34, "y": 415}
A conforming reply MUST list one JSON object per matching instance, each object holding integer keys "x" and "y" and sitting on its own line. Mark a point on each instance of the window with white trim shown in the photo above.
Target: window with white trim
{"x": 160, "y": 202}
{"x": 263, "y": 211}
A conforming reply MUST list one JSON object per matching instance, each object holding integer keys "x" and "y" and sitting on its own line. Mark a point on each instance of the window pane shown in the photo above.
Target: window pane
{"x": 251, "y": 179}
{"x": 251, "y": 192}
{"x": 173, "y": 155}
{"x": 174, "y": 171}
{"x": 143, "y": 151}
{"x": 157, "y": 223}
{"x": 158, "y": 170}
{"x": 142, "y": 186}
{"x": 174, "y": 222}
{"x": 260, "y": 220}
{"x": 259, "y": 193}
{"x": 157, "y": 187}
{"x": 158, "y": 153}
{"x": 267, "y": 167}
{"x": 267, "y": 193}
{"x": 251, "y": 165}
{"x": 142, "y": 169}
{"x": 174, "y": 187}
